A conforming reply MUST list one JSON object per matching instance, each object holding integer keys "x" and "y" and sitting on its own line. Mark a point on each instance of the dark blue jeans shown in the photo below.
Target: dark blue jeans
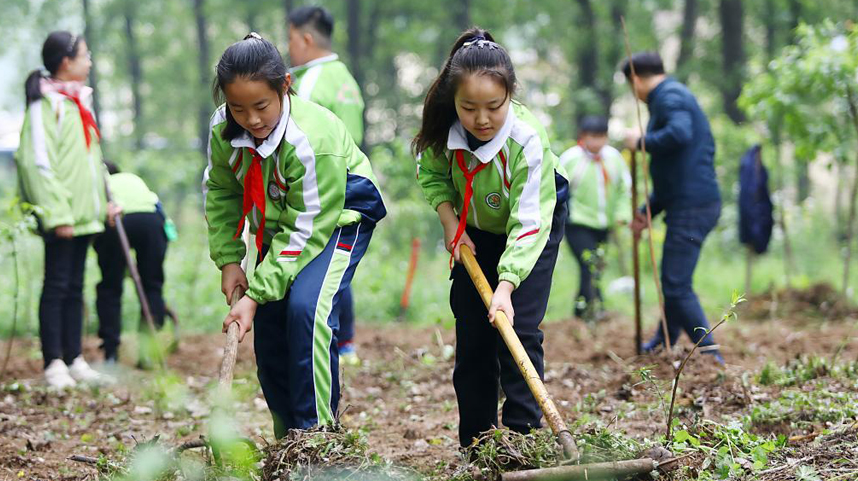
{"x": 686, "y": 230}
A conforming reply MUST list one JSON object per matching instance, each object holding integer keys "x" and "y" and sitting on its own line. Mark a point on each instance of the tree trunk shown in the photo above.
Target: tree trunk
{"x": 88, "y": 34}
{"x": 733, "y": 56}
{"x": 135, "y": 71}
{"x": 355, "y": 39}
{"x": 788, "y": 261}
{"x": 795, "y": 18}
{"x": 850, "y": 224}
{"x": 356, "y": 50}
{"x": 205, "y": 109}
{"x": 686, "y": 39}
{"x": 770, "y": 22}
{"x": 588, "y": 55}
{"x": 288, "y": 6}
{"x": 850, "y": 228}
{"x": 463, "y": 14}
{"x": 251, "y": 19}
{"x": 612, "y": 54}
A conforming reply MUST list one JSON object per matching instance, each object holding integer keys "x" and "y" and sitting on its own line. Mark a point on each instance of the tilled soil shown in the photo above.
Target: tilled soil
{"x": 401, "y": 396}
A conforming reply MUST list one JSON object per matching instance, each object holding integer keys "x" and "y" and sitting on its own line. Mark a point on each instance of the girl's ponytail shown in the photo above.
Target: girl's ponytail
{"x": 33, "y": 86}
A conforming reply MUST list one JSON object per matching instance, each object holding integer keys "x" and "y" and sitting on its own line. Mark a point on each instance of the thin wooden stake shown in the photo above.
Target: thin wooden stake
{"x": 646, "y": 191}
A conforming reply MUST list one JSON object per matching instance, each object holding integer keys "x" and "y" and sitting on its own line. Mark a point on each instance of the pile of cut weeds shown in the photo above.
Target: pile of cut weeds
{"x": 500, "y": 451}
{"x": 327, "y": 452}
{"x": 830, "y": 456}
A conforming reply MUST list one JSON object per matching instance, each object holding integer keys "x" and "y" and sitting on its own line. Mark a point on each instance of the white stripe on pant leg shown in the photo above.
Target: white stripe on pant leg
{"x": 323, "y": 334}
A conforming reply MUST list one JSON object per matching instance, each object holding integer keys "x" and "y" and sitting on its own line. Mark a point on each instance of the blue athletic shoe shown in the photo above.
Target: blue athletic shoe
{"x": 652, "y": 346}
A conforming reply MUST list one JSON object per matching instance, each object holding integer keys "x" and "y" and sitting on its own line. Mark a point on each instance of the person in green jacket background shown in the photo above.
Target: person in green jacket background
{"x": 61, "y": 174}
{"x": 319, "y": 76}
{"x": 600, "y": 195}
{"x": 486, "y": 167}
{"x": 144, "y": 221}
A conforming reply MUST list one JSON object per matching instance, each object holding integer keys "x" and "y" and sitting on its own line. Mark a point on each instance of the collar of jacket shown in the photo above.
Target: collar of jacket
{"x": 658, "y": 88}
{"x": 270, "y": 144}
{"x": 312, "y": 63}
{"x": 457, "y": 140}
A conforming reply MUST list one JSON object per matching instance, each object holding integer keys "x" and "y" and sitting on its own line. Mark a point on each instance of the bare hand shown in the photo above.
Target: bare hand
{"x": 639, "y": 223}
{"x": 450, "y": 223}
{"x": 242, "y": 313}
{"x": 462, "y": 240}
{"x": 113, "y": 210}
{"x": 631, "y": 140}
{"x": 64, "y": 231}
{"x": 502, "y": 301}
{"x": 232, "y": 276}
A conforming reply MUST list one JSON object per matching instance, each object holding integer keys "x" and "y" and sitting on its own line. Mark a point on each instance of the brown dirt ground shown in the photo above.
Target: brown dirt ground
{"x": 401, "y": 397}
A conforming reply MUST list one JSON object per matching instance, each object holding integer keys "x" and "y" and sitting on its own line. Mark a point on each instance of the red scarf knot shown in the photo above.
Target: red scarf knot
{"x": 254, "y": 195}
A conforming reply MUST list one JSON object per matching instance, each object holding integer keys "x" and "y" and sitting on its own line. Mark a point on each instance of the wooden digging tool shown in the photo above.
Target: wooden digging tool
{"x": 616, "y": 469}
{"x": 636, "y": 263}
{"x": 227, "y": 369}
{"x": 230, "y": 351}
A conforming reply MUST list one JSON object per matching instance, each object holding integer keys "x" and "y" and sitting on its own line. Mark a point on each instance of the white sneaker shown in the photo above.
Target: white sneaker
{"x": 82, "y": 372}
{"x": 57, "y": 375}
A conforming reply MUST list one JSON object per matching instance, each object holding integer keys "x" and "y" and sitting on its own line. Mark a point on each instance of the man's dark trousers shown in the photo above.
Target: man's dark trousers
{"x": 686, "y": 230}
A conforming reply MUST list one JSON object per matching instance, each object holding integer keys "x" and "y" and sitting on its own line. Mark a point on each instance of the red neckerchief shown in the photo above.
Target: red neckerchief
{"x": 469, "y": 192}
{"x": 86, "y": 117}
{"x": 254, "y": 194}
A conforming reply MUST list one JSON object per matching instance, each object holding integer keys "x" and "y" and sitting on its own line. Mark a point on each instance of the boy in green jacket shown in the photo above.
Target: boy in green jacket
{"x": 599, "y": 200}
{"x": 319, "y": 76}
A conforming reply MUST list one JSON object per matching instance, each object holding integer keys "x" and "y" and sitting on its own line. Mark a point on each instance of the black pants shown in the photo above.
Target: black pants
{"x": 146, "y": 236}
{"x": 587, "y": 244}
{"x": 481, "y": 355}
{"x": 61, "y": 305}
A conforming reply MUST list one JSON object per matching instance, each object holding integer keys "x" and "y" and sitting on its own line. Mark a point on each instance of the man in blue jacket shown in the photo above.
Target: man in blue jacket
{"x": 684, "y": 188}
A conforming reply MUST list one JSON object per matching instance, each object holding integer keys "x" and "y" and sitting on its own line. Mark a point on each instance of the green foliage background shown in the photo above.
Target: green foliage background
{"x": 402, "y": 43}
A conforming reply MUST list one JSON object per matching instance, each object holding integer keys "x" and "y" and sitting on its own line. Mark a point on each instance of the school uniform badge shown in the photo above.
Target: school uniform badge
{"x": 493, "y": 200}
{"x": 274, "y": 191}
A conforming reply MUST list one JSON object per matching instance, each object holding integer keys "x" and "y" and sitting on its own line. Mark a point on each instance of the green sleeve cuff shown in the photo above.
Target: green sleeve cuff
{"x": 51, "y": 223}
{"x": 510, "y": 277}
{"x": 225, "y": 259}
{"x": 440, "y": 199}
{"x": 348, "y": 217}
{"x": 257, "y": 296}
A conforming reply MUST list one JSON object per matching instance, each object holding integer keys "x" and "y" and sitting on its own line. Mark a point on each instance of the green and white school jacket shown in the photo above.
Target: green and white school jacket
{"x": 514, "y": 192}
{"x": 315, "y": 179}
{"x": 599, "y": 187}
{"x": 131, "y": 193}
{"x": 328, "y": 82}
{"x": 57, "y": 172}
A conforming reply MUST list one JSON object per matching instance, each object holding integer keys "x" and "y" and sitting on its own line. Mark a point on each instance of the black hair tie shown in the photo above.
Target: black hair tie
{"x": 480, "y": 41}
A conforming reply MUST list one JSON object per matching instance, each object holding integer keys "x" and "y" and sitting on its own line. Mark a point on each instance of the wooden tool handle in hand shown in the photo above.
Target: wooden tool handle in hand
{"x": 227, "y": 364}
{"x": 531, "y": 375}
